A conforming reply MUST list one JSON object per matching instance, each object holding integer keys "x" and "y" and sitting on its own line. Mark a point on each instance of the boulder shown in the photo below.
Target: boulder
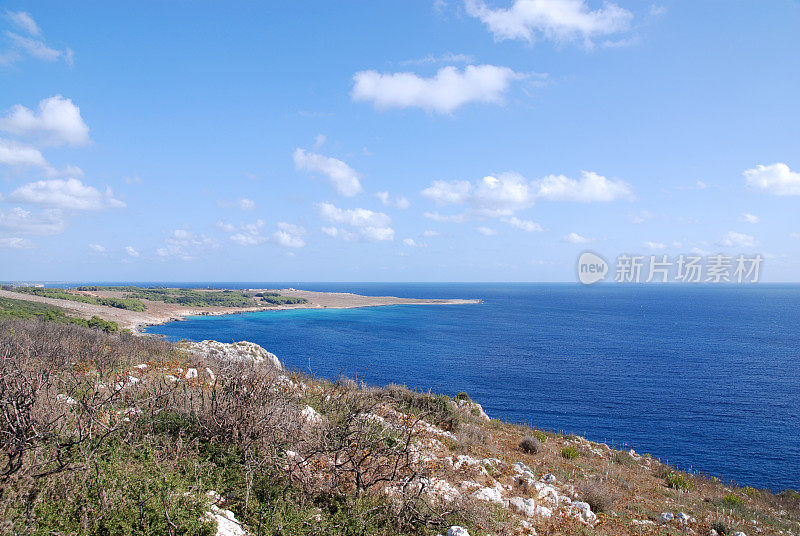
{"x": 235, "y": 351}
{"x": 582, "y": 511}
{"x": 457, "y": 531}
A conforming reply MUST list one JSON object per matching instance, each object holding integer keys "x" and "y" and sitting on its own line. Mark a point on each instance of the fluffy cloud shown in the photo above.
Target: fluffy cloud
{"x": 749, "y": 218}
{"x": 57, "y": 122}
{"x": 732, "y": 239}
{"x": 252, "y": 234}
{"x": 410, "y": 242}
{"x": 590, "y": 188}
{"x": 502, "y": 195}
{"x": 447, "y": 90}
{"x": 344, "y": 178}
{"x": 399, "y": 201}
{"x": 288, "y": 235}
{"x": 16, "y": 154}
{"x": 19, "y": 220}
{"x": 555, "y": 20}
{"x": 526, "y": 225}
{"x": 31, "y": 43}
{"x": 575, "y": 238}
{"x": 69, "y": 194}
{"x": 131, "y": 251}
{"x": 430, "y": 233}
{"x": 97, "y": 248}
{"x": 185, "y": 245}
{"x": 365, "y": 223}
{"x": 245, "y": 204}
{"x": 776, "y": 179}
{"x": 15, "y": 242}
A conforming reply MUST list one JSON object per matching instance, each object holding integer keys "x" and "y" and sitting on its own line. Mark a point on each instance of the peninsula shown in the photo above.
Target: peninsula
{"x": 133, "y": 307}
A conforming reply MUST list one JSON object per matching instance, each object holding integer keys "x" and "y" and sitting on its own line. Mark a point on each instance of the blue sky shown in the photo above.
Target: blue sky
{"x": 394, "y": 141}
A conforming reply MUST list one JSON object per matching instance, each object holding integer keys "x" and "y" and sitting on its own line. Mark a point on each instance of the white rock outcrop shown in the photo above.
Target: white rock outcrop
{"x": 234, "y": 351}
{"x": 457, "y": 531}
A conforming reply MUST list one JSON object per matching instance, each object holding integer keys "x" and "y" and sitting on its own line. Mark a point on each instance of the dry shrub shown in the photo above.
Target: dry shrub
{"x": 599, "y": 496}
{"x": 531, "y": 445}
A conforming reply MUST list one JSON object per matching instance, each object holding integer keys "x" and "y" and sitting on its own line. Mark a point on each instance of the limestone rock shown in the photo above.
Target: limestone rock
{"x": 235, "y": 351}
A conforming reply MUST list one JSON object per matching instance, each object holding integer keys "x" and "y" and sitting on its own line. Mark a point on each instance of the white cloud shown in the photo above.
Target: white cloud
{"x": 290, "y": 236}
{"x": 441, "y": 93}
{"x": 502, "y": 195}
{"x": 97, "y": 248}
{"x": 776, "y": 179}
{"x": 643, "y": 216}
{"x": 245, "y": 204}
{"x": 226, "y": 226}
{"x": 447, "y": 57}
{"x": 486, "y": 231}
{"x": 430, "y": 233}
{"x": 555, "y": 20}
{"x": 250, "y": 234}
{"x": 590, "y": 188}
{"x": 368, "y": 224}
{"x": 655, "y": 245}
{"x": 185, "y": 245}
{"x": 525, "y": 225}
{"x": 24, "y": 22}
{"x": 19, "y": 220}
{"x": 31, "y": 44}
{"x": 746, "y": 217}
{"x": 410, "y": 242}
{"x": 15, "y": 242}
{"x": 57, "y": 122}
{"x": 448, "y": 192}
{"x": 131, "y": 251}
{"x": 732, "y": 239}
{"x": 69, "y": 194}
{"x": 575, "y": 238}
{"x": 319, "y": 140}
{"x": 400, "y": 202}
{"x": 338, "y": 232}
{"x": 16, "y": 154}
{"x": 344, "y": 178}
{"x": 448, "y": 218}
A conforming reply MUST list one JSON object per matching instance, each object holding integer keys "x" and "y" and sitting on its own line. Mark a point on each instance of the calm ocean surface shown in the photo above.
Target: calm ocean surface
{"x": 706, "y": 377}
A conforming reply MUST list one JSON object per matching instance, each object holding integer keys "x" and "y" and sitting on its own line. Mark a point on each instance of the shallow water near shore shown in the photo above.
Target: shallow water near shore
{"x": 706, "y": 377}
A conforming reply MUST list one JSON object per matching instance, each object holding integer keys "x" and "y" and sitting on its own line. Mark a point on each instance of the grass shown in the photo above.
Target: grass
{"x": 130, "y": 304}
{"x": 26, "y": 310}
{"x": 732, "y": 501}
{"x": 569, "y": 452}
{"x": 678, "y": 481}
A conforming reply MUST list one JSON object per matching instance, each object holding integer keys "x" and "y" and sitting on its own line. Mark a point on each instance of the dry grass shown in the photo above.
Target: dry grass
{"x": 255, "y": 412}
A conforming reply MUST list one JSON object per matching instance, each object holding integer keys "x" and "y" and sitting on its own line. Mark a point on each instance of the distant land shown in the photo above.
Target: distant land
{"x": 133, "y": 307}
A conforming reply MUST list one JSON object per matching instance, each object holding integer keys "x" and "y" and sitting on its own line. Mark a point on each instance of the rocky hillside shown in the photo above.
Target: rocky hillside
{"x": 116, "y": 434}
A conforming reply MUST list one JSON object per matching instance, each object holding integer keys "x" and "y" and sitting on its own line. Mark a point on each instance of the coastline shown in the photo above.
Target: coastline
{"x": 157, "y": 313}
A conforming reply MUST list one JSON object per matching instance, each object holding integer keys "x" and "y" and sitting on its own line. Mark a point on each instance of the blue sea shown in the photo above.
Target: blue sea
{"x": 705, "y": 377}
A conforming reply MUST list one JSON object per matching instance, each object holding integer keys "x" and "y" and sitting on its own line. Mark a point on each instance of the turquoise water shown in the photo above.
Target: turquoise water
{"x": 707, "y": 377}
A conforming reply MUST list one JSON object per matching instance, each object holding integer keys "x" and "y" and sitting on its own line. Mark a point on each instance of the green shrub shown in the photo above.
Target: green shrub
{"x": 732, "y": 501}
{"x": 678, "y": 481}
{"x": 721, "y": 527}
{"x": 541, "y": 436}
{"x": 570, "y": 453}
{"x": 462, "y": 396}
